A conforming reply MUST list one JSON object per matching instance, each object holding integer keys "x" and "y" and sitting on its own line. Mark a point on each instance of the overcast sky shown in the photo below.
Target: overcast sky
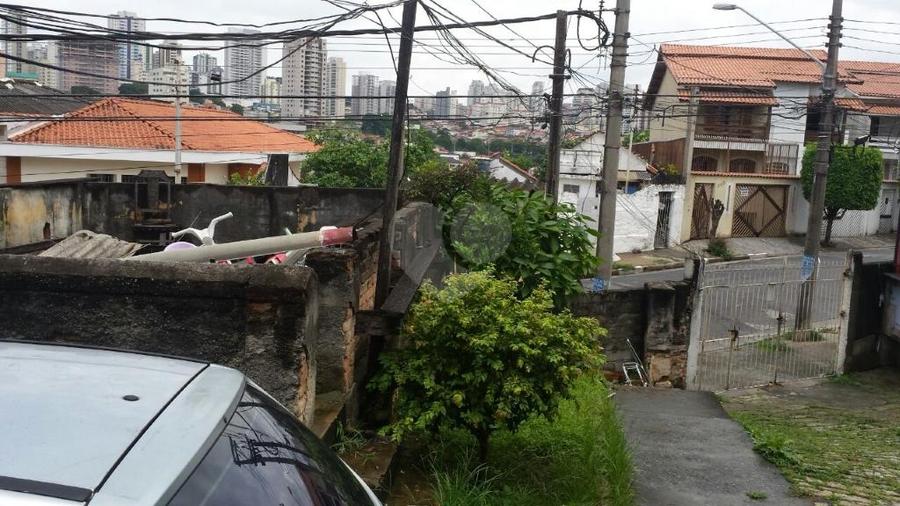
{"x": 693, "y": 18}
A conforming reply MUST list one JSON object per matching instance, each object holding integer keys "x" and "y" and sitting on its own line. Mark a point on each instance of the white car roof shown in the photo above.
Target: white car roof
{"x": 71, "y": 416}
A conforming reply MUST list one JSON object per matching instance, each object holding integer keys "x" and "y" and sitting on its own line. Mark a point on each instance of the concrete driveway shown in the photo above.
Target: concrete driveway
{"x": 687, "y": 451}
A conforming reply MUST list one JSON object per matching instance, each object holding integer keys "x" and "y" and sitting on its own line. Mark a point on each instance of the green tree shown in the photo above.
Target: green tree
{"x": 524, "y": 236}
{"x": 346, "y": 160}
{"x": 478, "y": 358}
{"x": 196, "y": 96}
{"x": 854, "y": 181}
{"x": 139, "y": 89}
{"x": 238, "y": 108}
{"x": 439, "y": 184}
{"x": 376, "y": 124}
{"x": 218, "y": 101}
{"x": 639, "y": 136}
{"x": 84, "y": 90}
{"x": 249, "y": 179}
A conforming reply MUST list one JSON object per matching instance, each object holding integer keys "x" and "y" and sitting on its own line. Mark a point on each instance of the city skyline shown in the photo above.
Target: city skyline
{"x": 650, "y": 27}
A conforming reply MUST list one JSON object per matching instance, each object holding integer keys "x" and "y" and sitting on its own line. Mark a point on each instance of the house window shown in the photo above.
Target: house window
{"x": 742, "y": 165}
{"x": 102, "y": 178}
{"x": 571, "y": 188}
{"x": 704, "y": 164}
{"x": 781, "y": 158}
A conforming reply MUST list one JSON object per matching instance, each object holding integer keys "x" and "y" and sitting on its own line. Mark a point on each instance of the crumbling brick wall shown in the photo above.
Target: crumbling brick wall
{"x": 259, "y": 319}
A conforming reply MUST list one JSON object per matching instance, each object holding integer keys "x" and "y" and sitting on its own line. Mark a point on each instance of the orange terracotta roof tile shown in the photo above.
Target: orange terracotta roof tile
{"x": 764, "y": 97}
{"x": 742, "y": 66}
{"x": 149, "y": 124}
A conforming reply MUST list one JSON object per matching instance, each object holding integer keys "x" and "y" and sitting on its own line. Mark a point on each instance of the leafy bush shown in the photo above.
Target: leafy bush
{"x": 477, "y": 357}
{"x": 248, "y": 179}
{"x": 524, "y": 236}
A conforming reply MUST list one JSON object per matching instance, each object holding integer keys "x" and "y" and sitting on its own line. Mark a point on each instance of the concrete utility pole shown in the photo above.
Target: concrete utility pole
{"x": 395, "y": 158}
{"x": 690, "y": 122}
{"x": 606, "y": 221}
{"x": 809, "y": 269}
{"x": 177, "y": 131}
{"x": 559, "y": 77}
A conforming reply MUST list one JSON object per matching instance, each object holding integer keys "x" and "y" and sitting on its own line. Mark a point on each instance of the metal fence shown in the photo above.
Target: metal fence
{"x": 743, "y": 333}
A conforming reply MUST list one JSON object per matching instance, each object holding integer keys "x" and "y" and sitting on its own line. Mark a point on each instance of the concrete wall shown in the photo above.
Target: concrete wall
{"x": 261, "y": 320}
{"x": 655, "y": 318}
{"x": 108, "y": 208}
{"x": 668, "y": 128}
{"x": 637, "y": 217}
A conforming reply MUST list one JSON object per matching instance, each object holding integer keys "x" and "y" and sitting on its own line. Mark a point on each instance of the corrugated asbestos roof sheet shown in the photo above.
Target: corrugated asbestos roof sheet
{"x": 87, "y": 244}
{"x": 15, "y": 99}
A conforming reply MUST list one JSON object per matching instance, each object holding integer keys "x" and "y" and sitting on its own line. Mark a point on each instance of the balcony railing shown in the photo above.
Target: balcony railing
{"x": 724, "y": 131}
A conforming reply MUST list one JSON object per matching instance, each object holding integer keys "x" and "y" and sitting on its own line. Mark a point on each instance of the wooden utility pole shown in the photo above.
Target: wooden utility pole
{"x": 559, "y": 77}
{"x": 395, "y": 158}
{"x": 606, "y": 221}
{"x": 809, "y": 268}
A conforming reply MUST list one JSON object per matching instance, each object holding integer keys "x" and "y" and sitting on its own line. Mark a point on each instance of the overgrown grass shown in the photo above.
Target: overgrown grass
{"x": 580, "y": 458}
{"x": 718, "y": 248}
{"x": 822, "y": 450}
{"x": 772, "y": 344}
{"x": 622, "y": 266}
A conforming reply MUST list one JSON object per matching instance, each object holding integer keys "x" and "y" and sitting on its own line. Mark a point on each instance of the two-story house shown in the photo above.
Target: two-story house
{"x": 734, "y": 121}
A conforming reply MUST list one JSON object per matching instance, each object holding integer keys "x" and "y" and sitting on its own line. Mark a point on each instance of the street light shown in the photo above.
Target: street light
{"x": 823, "y": 154}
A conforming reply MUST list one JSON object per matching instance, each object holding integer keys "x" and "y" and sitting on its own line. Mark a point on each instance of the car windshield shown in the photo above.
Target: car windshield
{"x": 264, "y": 456}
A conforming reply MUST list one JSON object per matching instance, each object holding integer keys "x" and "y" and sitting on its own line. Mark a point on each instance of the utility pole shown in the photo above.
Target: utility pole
{"x": 691, "y": 123}
{"x": 395, "y": 158}
{"x": 606, "y": 221}
{"x": 559, "y": 77}
{"x": 177, "y": 125}
{"x": 631, "y": 138}
{"x": 809, "y": 268}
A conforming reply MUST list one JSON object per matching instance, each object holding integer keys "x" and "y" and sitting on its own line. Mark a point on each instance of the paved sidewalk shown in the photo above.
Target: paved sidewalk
{"x": 687, "y": 451}
{"x": 742, "y": 248}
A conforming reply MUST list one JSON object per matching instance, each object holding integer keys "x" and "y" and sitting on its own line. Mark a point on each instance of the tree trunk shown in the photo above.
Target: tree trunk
{"x": 483, "y": 439}
{"x": 830, "y": 216}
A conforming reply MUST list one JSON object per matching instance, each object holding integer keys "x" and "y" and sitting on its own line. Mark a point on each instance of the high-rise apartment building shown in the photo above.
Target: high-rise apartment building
{"x": 131, "y": 56}
{"x": 364, "y": 85}
{"x": 91, "y": 56}
{"x": 17, "y": 48}
{"x": 303, "y": 74}
{"x": 386, "y": 89}
{"x": 204, "y": 63}
{"x": 335, "y": 86}
{"x": 45, "y": 52}
{"x": 169, "y": 80}
{"x": 270, "y": 90}
{"x": 476, "y": 90}
{"x": 242, "y": 64}
{"x": 444, "y": 104}
{"x": 167, "y": 55}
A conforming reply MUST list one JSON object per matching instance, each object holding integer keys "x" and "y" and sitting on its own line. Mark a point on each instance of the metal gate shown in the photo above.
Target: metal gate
{"x": 661, "y": 238}
{"x": 759, "y": 211}
{"x": 702, "y": 214}
{"x": 742, "y": 329}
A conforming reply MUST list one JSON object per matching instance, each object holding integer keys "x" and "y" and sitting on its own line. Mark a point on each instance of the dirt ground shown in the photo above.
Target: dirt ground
{"x": 836, "y": 440}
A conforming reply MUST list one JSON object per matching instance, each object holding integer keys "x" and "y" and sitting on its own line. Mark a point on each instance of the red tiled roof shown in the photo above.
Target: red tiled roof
{"x": 742, "y": 66}
{"x": 878, "y": 79}
{"x": 148, "y": 124}
{"x": 731, "y": 97}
